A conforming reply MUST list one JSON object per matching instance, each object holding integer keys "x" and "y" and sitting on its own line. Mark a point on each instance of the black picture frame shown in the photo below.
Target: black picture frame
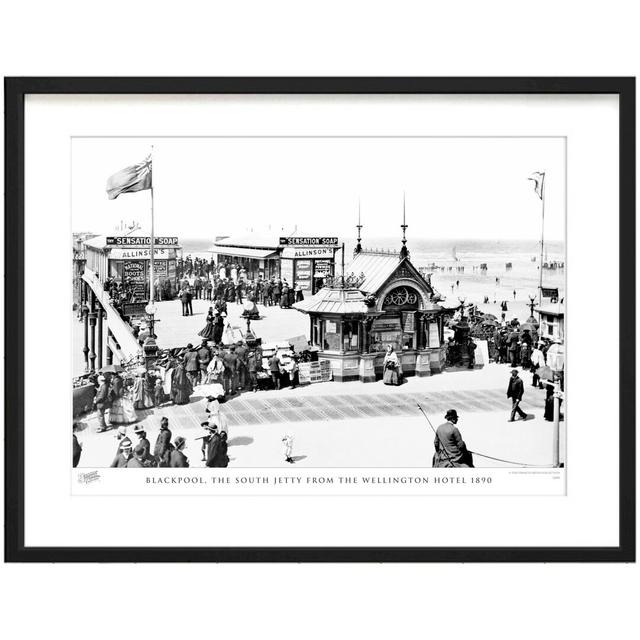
{"x": 15, "y": 91}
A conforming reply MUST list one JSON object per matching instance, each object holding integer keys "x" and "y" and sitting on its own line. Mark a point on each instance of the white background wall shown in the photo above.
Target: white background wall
{"x": 329, "y": 38}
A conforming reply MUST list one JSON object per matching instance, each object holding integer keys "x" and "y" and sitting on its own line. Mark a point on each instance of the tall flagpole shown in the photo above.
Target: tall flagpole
{"x": 151, "y": 265}
{"x": 542, "y": 189}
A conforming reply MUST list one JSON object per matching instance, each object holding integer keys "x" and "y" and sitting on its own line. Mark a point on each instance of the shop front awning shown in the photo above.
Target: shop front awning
{"x": 243, "y": 252}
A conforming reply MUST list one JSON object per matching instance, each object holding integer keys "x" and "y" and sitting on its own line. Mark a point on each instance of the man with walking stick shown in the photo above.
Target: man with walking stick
{"x": 450, "y": 449}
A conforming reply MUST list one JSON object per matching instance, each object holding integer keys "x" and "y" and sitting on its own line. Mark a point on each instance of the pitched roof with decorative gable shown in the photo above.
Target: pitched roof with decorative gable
{"x": 377, "y": 268}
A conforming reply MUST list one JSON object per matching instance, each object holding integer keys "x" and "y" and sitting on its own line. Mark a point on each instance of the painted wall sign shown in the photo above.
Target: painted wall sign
{"x": 135, "y": 254}
{"x": 290, "y": 252}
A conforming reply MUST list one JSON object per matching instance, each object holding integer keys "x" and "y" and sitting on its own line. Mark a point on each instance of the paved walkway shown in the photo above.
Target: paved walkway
{"x": 247, "y": 410}
{"x": 355, "y": 424}
{"x": 275, "y": 324}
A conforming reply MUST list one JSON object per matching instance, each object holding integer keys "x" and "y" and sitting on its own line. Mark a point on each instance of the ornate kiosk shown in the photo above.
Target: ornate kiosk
{"x": 355, "y": 317}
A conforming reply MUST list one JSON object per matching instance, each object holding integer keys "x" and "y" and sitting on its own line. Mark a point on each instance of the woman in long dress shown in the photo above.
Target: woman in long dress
{"x": 218, "y": 327}
{"x": 142, "y": 396}
{"x": 208, "y": 331}
{"x": 181, "y": 388}
{"x": 390, "y": 367}
{"x": 215, "y": 369}
{"x": 122, "y": 409}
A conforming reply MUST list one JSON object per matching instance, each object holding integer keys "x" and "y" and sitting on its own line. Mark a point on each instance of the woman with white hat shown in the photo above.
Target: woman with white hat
{"x": 125, "y": 453}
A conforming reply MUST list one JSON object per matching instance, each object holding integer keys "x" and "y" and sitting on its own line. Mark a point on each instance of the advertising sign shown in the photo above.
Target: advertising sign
{"x": 160, "y": 268}
{"x": 316, "y": 241}
{"x": 322, "y": 268}
{"x": 139, "y": 241}
{"x": 134, "y": 270}
{"x": 137, "y": 254}
{"x": 286, "y": 270}
{"x": 303, "y": 275}
{"x": 320, "y": 252}
{"x": 134, "y": 308}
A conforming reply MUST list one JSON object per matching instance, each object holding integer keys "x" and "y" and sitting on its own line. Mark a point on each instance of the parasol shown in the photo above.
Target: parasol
{"x": 528, "y": 326}
{"x": 490, "y": 323}
{"x": 112, "y": 368}
{"x": 545, "y": 373}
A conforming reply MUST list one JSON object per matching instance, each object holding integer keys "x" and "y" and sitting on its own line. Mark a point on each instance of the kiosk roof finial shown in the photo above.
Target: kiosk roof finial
{"x": 359, "y": 226}
{"x": 404, "y": 252}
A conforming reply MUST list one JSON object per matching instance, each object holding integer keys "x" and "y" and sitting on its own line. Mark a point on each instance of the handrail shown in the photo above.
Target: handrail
{"x": 118, "y": 327}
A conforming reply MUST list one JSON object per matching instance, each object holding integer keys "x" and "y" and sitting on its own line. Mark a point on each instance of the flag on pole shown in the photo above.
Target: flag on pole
{"x": 134, "y": 178}
{"x": 538, "y": 178}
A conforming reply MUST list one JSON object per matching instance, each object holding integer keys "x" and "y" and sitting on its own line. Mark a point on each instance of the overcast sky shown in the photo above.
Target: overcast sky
{"x": 204, "y": 187}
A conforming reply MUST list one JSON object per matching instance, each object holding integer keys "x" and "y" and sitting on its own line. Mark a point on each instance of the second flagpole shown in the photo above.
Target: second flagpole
{"x": 152, "y": 297}
{"x": 541, "y": 266}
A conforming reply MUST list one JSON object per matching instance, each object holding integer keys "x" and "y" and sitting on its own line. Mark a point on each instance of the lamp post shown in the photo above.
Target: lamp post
{"x": 150, "y": 346}
{"x": 555, "y": 360}
{"x": 462, "y": 301}
{"x": 532, "y": 303}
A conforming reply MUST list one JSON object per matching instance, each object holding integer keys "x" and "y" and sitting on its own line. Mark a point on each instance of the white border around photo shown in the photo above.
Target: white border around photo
{"x": 53, "y": 517}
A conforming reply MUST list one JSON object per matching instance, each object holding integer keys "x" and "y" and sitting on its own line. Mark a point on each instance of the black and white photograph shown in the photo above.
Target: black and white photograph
{"x": 313, "y": 304}
{"x": 319, "y": 302}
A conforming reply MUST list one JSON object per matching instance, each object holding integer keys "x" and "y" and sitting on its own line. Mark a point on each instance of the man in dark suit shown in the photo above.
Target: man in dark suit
{"x": 230, "y": 361}
{"x": 212, "y": 446}
{"x": 184, "y": 297}
{"x": 241, "y": 353}
{"x": 515, "y": 391}
{"x": 274, "y": 370}
{"x": 191, "y": 365}
{"x": 189, "y": 299}
{"x": 77, "y": 448}
{"x": 176, "y": 457}
{"x": 163, "y": 444}
{"x": 204, "y": 358}
{"x": 451, "y": 450}
{"x": 140, "y": 459}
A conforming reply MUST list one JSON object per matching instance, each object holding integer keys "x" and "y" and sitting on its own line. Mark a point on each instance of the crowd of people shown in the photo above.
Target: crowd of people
{"x": 524, "y": 349}
{"x": 120, "y": 396}
{"x": 201, "y": 279}
{"x": 168, "y": 451}
{"x": 231, "y": 367}
{"x": 268, "y": 292}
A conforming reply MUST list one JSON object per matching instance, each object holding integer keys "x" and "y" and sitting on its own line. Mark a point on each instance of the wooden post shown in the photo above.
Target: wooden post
{"x": 85, "y": 319}
{"x": 100, "y": 315}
